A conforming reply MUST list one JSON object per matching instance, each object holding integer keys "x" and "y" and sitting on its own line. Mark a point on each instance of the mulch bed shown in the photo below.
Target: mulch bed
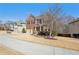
{"x": 46, "y": 37}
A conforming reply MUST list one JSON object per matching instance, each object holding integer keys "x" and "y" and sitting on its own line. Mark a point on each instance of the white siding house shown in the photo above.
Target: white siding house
{"x": 18, "y": 28}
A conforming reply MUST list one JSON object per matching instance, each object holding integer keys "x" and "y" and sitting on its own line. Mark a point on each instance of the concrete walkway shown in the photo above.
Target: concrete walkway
{"x": 33, "y": 48}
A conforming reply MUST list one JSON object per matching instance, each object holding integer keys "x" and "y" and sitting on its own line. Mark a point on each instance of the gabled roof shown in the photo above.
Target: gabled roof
{"x": 74, "y": 21}
{"x": 31, "y": 15}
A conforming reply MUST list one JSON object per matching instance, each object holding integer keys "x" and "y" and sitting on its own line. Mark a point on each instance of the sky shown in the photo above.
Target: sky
{"x": 14, "y": 11}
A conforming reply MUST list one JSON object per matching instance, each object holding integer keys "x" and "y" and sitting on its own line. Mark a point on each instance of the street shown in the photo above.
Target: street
{"x": 33, "y": 48}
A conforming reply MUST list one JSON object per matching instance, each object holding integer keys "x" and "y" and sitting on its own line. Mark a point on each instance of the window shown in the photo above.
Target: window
{"x": 40, "y": 21}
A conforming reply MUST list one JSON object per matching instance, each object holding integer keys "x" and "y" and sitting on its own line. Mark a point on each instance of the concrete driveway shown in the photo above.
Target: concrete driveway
{"x": 33, "y": 48}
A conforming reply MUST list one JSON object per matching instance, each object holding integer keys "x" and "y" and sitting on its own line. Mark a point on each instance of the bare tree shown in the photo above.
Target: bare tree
{"x": 67, "y": 19}
{"x": 54, "y": 18}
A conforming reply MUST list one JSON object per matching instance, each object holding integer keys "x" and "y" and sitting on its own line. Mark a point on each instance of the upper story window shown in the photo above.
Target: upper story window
{"x": 34, "y": 21}
{"x": 39, "y": 21}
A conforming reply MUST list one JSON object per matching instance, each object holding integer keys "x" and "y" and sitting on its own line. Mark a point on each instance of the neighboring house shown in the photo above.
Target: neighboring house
{"x": 15, "y": 26}
{"x": 74, "y": 28}
{"x": 19, "y": 26}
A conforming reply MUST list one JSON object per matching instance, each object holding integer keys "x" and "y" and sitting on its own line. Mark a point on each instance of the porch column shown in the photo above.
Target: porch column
{"x": 35, "y": 31}
{"x": 40, "y": 28}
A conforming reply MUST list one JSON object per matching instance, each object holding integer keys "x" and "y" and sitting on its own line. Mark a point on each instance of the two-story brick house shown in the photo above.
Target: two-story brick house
{"x": 36, "y": 24}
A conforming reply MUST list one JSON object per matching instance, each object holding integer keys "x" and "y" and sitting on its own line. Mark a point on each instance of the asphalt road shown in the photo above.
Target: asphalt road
{"x": 33, "y": 48}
